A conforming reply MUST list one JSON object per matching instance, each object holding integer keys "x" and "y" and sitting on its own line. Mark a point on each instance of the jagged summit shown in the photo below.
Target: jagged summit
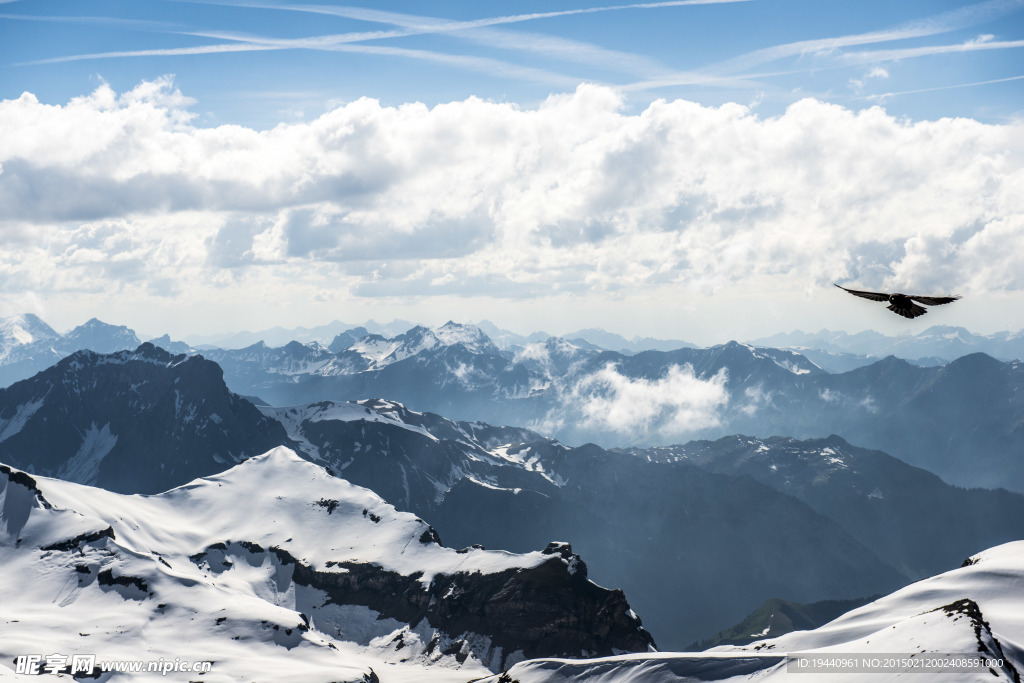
{"x": 380, "y": 351}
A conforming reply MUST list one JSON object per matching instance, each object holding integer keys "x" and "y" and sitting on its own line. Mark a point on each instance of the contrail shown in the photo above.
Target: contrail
{"x": 941, "y": 87}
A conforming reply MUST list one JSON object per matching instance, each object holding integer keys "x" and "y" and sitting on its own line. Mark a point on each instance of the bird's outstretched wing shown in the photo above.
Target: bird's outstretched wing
{"x": 874, "y": 296}
{"x": 933, "y": 300}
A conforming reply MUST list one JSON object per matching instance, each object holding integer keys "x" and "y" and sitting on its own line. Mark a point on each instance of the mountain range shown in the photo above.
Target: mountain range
{"x": 963, "y": 420}
{"x": 297, "y": 525}
{"x": 28, "y": 345}
{"x": 799, "y": 520}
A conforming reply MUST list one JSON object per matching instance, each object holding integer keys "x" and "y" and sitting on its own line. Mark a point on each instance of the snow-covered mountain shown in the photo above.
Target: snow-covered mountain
{"x": 380, "y": 351}
{"x": 19, "y": 330}
{"x": 135, "y": 421}
{"x": 456, "y": 357}
{"x": 276, "y": 570}
{"x": 972, "y": 617}
{"x": 575, "y": 391}
{"x": 411, "y": 459}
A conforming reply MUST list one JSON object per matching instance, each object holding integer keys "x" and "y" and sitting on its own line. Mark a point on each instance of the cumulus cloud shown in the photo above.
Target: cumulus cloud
{"x": 676, "y": 404}
{"x": 477, "y": 198}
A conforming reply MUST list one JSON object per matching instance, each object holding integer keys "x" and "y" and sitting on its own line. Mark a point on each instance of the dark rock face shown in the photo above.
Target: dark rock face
{"x": 551, "y": 610}
{"x": 76, "y": 542}
{"x": 19, "y": 477}
{"x": 133, "y": 422}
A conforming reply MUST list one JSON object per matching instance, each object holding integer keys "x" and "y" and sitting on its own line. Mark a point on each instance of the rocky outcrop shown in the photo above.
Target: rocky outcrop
{"x": 550, "y": 610}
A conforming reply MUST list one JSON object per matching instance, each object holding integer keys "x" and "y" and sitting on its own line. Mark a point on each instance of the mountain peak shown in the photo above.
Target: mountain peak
{"x": 25, "y": 328}
{"x": 148, "y": 351}
{"x": 137, "y": 421}
{"x": 456, "y": 333}
{"x": 101, "y": 337}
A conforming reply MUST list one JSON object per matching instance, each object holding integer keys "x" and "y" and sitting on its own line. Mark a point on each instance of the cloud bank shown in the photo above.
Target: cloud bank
{"x": 677, "y": 404}
{"x": 114, "y": 191}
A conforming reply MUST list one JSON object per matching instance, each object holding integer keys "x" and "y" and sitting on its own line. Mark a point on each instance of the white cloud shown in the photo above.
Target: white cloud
{"x": 676, "y": 404}
{"x": 857, "y": 84}
{"x": 474, "y": 198}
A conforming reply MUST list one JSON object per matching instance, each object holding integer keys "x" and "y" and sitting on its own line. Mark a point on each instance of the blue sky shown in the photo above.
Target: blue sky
{"x": 255, "y": 62}
{"x": 196, "y": 167}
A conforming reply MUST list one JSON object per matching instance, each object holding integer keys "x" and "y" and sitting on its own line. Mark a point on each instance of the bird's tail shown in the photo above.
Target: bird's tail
{"x": 911, "y": 311}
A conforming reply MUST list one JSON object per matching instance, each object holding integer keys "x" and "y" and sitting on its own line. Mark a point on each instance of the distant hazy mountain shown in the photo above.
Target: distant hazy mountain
{"x": 936, "y": 345}
{"x": 506, "y": 339}
{"x": 273, "y": 336}
{"x": 616, "y": 342}
{"x": 175, "y": 347}
{"x": 593, "y": 336}
{"x": 279, "y": 336}
{"x": 275, "y": 570}
{"x": 972, "y": 617}
{"x": 100, "y": 337}
{"x": 28, "y": 345}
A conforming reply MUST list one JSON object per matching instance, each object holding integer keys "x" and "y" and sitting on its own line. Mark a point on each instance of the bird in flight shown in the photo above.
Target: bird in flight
{"x": 903, "y": 304}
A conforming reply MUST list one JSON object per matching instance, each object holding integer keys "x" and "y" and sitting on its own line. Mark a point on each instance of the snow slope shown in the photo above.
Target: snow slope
{"x": 210, "y": 571}
{"x": 976, "y": 610}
